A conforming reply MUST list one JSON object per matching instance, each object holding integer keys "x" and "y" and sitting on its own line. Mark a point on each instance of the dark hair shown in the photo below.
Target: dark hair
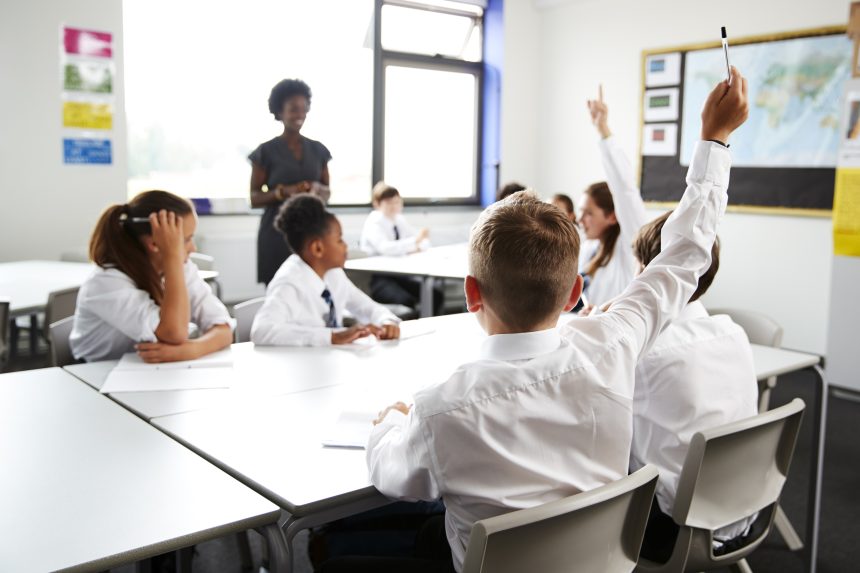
{"x": 383, "y": 191}
{"x": 116, "y": 238}
{"x": 646, "y": 246}
{"x": 302, "y": 219}
{"x": 284, "y": 90}
{"x": 524, "y": 253}
{"x": 602, "y": 197}
{"x": 565, "y": 200}
{"x": 509, "y": 189}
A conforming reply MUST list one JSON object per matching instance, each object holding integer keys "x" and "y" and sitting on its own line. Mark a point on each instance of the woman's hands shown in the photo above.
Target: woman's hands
{"x": 315, "y": 187}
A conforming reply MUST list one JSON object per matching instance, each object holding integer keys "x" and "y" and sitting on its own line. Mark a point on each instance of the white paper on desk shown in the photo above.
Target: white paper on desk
{"x": 351, "y": 430}
{"x": 220, "y": 359}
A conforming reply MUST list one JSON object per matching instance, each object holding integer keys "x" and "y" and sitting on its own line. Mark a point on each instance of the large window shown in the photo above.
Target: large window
{"x": 198, "y": 74}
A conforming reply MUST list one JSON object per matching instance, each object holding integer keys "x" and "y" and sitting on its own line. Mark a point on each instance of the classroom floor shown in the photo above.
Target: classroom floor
{"x": 840, "y": 512}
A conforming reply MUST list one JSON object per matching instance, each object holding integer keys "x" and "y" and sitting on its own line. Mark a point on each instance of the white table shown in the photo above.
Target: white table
{"x": 446, "y": 262}
{"x": 87, "y": 486}
{"x": 775, "y": 362}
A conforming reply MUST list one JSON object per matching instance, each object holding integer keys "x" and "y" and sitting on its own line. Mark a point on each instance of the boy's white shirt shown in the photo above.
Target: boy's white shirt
{"x": 698, "y": 375}
{"x": 294, "y": 313}
{"x": 545, "y": 415}
{"x": 378, "y": 237}
{"x": 611, "y": 280}
{"x": 112, "y": 314}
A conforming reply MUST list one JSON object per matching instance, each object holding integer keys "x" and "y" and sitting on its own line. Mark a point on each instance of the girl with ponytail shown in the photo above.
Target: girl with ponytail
{"x": 145, "y": 292}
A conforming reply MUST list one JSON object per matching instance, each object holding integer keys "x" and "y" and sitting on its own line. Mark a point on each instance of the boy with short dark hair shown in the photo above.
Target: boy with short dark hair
{"x": 547, "y": 412}
{"x": 309, "y": 295}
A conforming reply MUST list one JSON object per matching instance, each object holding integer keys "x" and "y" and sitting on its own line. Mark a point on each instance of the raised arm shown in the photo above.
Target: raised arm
{"x": 629, "y": 208}
{"x": 657, "y": 295}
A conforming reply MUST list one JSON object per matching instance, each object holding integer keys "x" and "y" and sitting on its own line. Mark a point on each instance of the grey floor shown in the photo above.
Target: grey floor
{"x": 840, "y": 513}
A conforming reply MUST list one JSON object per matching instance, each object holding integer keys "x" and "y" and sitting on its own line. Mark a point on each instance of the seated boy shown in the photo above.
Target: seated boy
{"x": 698, "y": 375}
{"x": 387, "y": 232}
{"x": 307, "y": 298}
{"x": 547, "y": 412}
{"x": 565, "y": 203}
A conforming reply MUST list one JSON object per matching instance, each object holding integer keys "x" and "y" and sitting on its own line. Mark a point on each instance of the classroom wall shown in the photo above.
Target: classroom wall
{"x": 46, "y": 207}
{"x": 778, "y": 265}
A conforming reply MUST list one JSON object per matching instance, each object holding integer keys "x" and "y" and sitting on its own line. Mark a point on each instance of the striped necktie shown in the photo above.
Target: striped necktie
{"x": 331, "y": 320}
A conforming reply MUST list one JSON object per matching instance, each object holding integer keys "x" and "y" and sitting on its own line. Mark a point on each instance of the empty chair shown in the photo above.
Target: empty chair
{"x": 4, "y": 330}
{"x": 58, "y": 341}
{"x": 599, "y": 531}
{"x": 61, "y": 304}
{"x": 730, "y": 472}
{"x": 244, "y": 313}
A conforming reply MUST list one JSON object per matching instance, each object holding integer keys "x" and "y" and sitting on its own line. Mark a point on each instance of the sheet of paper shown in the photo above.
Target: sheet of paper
{"x": 137, "y": 380}
{"x": 660, "y": 139}
{"x": 220, "y": 359}
{"x": 663, "y": 70}
{"x": 351, "y": 430}
{"x": 661, "y": 104}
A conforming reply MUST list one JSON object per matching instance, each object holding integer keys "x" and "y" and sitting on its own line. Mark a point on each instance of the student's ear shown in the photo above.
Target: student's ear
{"x": 316, "y": 248}
{"x": 474, "y": 302}
{"x": 148, "y": 244}
{"x": 613, "y": 220}
{"x": 575, "y": 294}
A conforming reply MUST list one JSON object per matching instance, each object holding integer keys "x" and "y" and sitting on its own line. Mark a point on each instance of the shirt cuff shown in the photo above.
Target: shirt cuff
{"x": 711, "y": 162}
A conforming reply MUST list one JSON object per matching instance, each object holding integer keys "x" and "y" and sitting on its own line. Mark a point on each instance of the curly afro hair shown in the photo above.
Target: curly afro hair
{"x": 302, "y": 219}
{"x": 284, "y": 90}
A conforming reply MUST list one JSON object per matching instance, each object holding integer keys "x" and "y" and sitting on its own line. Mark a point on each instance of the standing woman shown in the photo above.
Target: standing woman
{"x": 285, "y": 166}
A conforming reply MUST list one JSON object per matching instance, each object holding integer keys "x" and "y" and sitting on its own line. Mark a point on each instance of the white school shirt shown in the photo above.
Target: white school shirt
{"x": 378, "y": 237}
{"x": 698, "y": 375}
{"x": 295, "y": 312}
{"x": 547, "y": 414}
{"x": 113, "y": 314}
{"x": 611, "y": 280}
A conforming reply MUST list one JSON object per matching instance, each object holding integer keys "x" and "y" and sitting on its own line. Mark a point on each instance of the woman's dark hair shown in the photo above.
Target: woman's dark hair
{"x": 602, "y": 197}
{"x": 647, "y": 245}
{"x": 284, "y": 90}
{"x": 116, "y": 238}
{"x": 303, "y": 219}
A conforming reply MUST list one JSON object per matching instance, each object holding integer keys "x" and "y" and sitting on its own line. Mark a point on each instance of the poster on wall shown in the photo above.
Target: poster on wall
{"x": 87, "y": 76}
{"x": 661, "y": 105}
{"x": 846, "y": 194}
{"x": 663, "y": 70}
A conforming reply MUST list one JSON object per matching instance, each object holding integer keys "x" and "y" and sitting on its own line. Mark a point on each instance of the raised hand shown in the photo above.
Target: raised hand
{"x": 600, "y": 114}
{"x": 726, "y": 109}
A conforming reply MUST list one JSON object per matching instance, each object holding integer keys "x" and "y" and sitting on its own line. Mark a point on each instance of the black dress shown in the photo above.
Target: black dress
{"x": 282, "y": 168}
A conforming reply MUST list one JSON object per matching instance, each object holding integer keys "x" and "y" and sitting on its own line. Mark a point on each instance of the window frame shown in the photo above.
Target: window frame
{"x": 383, "y": 58}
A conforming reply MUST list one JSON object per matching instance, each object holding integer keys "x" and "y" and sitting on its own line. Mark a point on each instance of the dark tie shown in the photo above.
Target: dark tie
{"x": 396, "y": 233}
{"x": 331, "y": 320}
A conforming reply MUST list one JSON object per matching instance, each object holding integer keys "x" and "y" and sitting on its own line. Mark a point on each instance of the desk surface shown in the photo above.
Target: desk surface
{"x": 449, "y": 261}
{"x": 27, "y": 284}
{"x": 776, "y": 361}
{"x": 83, "y": 482}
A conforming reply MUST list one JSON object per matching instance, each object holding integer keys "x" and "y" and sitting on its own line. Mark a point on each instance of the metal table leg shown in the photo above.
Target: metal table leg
{"x": 819, "y": 422}
{"x": 427, "y": 284}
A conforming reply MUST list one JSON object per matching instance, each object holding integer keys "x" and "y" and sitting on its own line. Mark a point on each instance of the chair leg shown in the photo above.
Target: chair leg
{"x": 247, "y": 559}
{"x": 786, "y": 530}
{"x": 740, "y": 567}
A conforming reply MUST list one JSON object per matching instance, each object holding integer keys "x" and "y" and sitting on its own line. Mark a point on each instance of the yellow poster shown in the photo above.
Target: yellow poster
{"x": 846, "y": 213}
{"x": 85, "y": 115}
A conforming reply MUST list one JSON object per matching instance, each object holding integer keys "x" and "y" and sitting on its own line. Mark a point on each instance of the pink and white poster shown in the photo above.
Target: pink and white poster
{"x": 88, "y": 43}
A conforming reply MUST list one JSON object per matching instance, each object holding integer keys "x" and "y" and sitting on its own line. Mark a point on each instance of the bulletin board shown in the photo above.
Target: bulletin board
{"x": 784, "y": 157}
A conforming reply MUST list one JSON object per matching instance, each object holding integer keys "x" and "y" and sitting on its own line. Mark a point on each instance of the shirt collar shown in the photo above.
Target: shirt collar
{"x": 521, "y": 346}
{"x": 308, "y": 276}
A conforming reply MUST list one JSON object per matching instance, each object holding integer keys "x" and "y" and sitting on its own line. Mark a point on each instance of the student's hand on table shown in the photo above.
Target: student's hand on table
{"x": 726, "y": 109}
{"x": 422, "y": 235}
{"x": 155, "y": 352}
{"x": 351, "y": 334}
{"x": 386, "y": 331}
{"x": 600, "y": 114}
{"x": 399, "y": 406}
{"x": 167, "y": 234}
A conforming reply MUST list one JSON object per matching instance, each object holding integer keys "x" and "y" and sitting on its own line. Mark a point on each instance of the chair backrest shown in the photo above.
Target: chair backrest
{"x": 4, "y": 330}
{"x": 599, "y": 531}
{"x": 730, "y": 473}
{"x": 61, "y": 304}
{"x": 58, "y": 341}
{"x": 244, "y": 313}
{"x": 203, "y": 262}
{"x": 760, "y": 328}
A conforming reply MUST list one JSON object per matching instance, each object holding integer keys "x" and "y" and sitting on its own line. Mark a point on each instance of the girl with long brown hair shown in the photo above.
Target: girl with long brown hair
{"x": 145, "y": 292}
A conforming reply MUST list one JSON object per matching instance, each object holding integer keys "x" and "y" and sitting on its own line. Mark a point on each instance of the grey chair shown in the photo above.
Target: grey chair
{"x": 244, "y": 313}
{"x": 58, "y": 341}
{"x": 4, "y": 331}
{"x": 61, "y": 304}
{"x": 763, "y": 330}
{"x": 730, "y": 472}
{"x": 599, "y": 531}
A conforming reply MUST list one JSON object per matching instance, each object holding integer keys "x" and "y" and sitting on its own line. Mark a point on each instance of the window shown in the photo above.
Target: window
{"x": 197, "y": 80}
{"x": 428, "y": 99}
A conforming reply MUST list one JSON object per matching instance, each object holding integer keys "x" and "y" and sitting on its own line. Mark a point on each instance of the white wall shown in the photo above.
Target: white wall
{"x": 778, "y": 265}
{"x": 46, "y": 207}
